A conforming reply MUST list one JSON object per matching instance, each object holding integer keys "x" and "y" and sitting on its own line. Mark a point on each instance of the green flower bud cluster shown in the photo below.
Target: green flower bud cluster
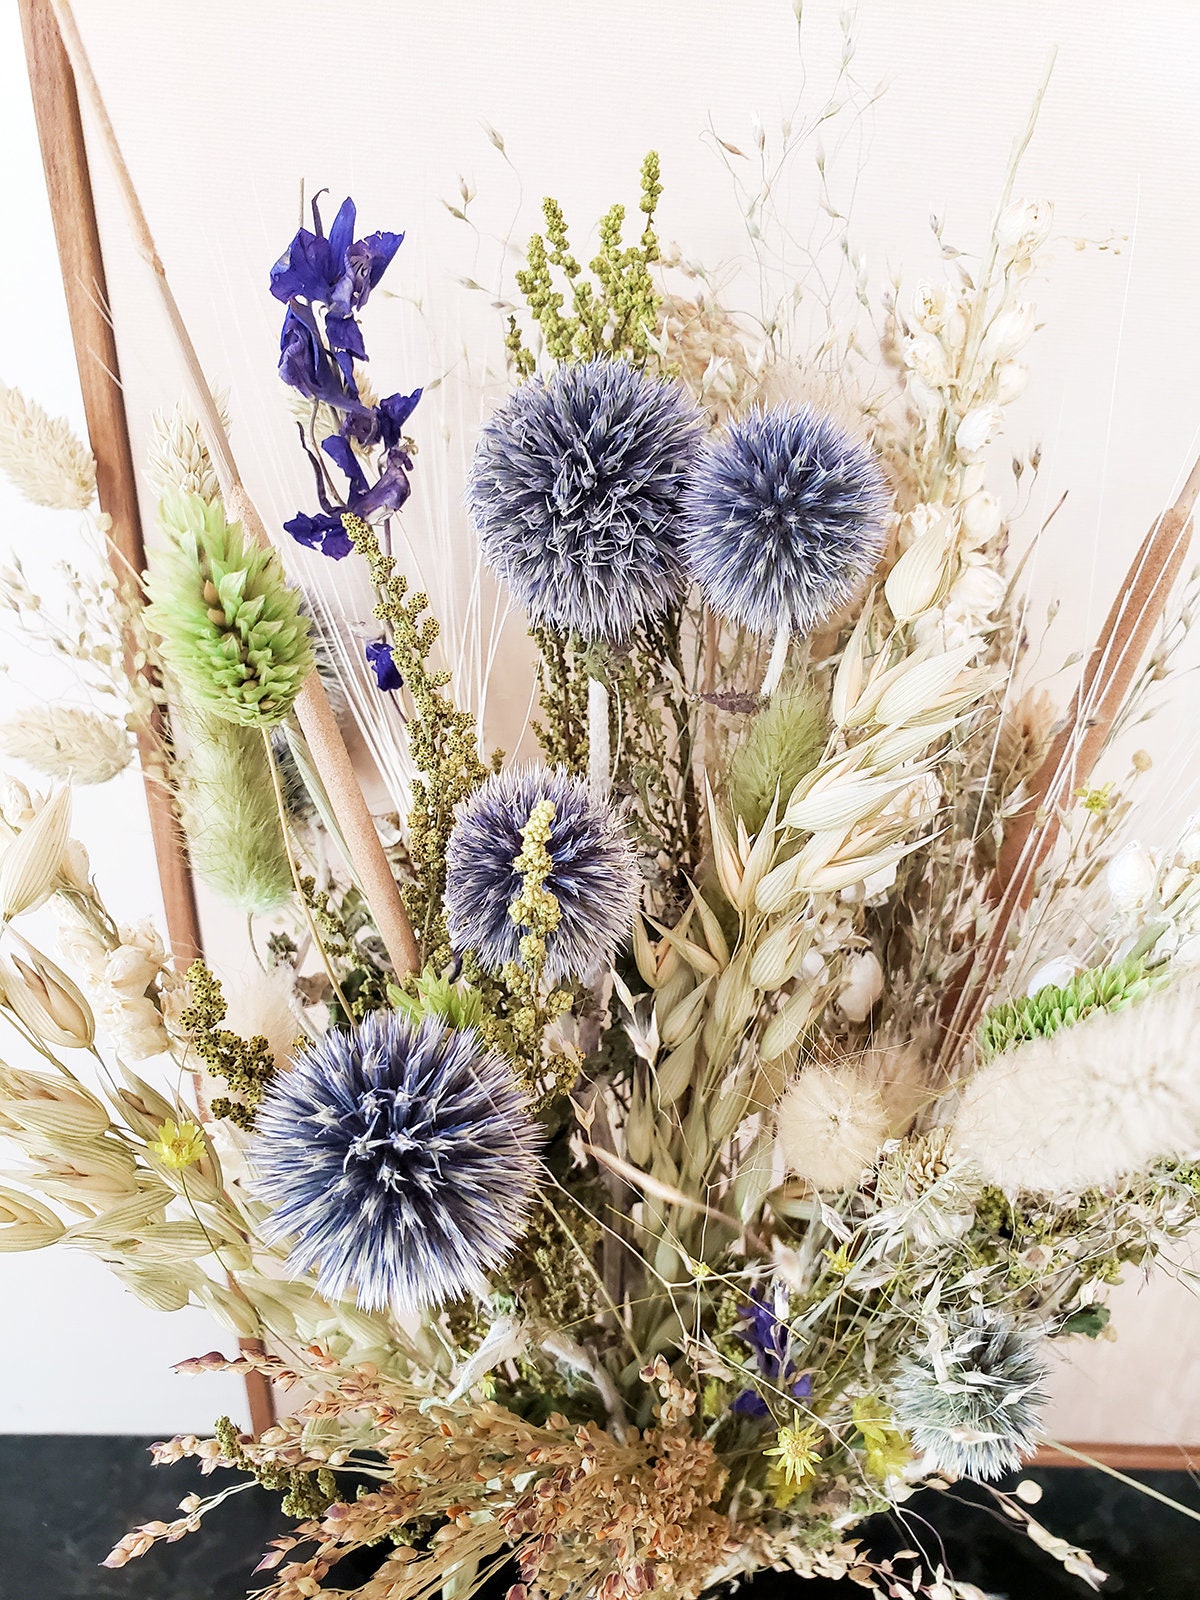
{"x": 307, "y": 1492}
{"x": 615, "y": 314}
{"x": 1040, "y": 1015}
{"x": 442, "y": 739}
{"x": 231, "y": 628}
{"x": 247, "y": 1065}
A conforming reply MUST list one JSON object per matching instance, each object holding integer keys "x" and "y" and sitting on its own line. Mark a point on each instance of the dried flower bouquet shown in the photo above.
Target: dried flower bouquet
{"x": 691, "y": 1153}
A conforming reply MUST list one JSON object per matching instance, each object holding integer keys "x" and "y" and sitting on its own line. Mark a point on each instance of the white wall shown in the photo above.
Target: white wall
{"x": 78, "y": 1354}
{"x": 225, "y": 108}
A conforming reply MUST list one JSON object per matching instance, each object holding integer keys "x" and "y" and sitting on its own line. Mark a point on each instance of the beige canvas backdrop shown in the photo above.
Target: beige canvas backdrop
{"x": 226, "y": 110}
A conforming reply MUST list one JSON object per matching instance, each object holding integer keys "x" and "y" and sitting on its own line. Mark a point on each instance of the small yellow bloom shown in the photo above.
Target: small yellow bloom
{"x": 797, "y": 1453}
{"x": 888, "y": 1450}
{"x": 1097, "y": 801}
{"x": 179, "y": 1144}
{"x": 838, "y": 1261}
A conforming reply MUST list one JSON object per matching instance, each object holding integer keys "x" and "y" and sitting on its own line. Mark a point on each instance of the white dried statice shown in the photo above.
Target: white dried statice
{"x": 830, "y": 1126}
{"x": 68, "y": 743}
{"x": 42, "y": 457}
{"x": 1094, "y": 1102}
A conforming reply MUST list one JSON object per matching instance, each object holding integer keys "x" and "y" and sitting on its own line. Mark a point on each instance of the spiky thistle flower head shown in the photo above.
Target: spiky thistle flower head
{"x": 972, "y": 1401}
{"x": 591, "y": 874}
{"x": 231, "y": 628}
{"x": 575, "y": 491}
{"x": 400, "y": 1161}
{"x": 784, "y": 518}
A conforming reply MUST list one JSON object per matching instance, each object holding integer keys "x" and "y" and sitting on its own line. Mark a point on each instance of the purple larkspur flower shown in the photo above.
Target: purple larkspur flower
{"x": 574, "y": 493}
{"x": 400, "y": 1162}
{"x": 767, "y": 1335}
{"x": 335, "y": 270}
{"x": 379, "y": 658}
{"x": 594, "y": 876}
{"x": 325, "y": 281}
{"x": 784, "y": 519}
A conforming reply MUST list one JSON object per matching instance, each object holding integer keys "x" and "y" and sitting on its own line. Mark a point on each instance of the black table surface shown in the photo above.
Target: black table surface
{"x": 65, "y": 1500}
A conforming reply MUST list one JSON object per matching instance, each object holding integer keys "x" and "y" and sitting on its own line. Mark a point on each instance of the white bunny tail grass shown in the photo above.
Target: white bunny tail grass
{"x": 42, "y": 457}
{"x": 831, "y": 1124}
{"x": 227, "y": 803}
{"x": 265, "y": 1007}
{"x": 67, "y": 743}
{"x": 1092, "y": 1103}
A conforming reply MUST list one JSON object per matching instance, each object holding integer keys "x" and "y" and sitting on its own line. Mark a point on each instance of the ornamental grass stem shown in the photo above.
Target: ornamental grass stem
{"x": 314, "y": 932}
{"x": 324, "y": 737}
{"x": 777, "y": 662}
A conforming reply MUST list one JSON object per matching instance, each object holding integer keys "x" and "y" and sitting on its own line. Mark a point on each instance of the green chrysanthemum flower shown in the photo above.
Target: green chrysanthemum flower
{"x": 231, "y": 628}
{"x": 1055, "y": 1006}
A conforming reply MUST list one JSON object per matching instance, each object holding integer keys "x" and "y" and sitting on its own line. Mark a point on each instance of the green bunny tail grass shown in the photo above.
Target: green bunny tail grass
{"x": 227, "y": 804}
{"x": 782, "y": 745}
{"x": 231, "y": 628}
{"x": 1040, "y": 1015}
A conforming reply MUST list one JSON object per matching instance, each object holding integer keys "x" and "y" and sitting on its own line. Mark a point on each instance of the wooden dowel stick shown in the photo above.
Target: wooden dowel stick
{"x": 69, "y": 188}
{"x": 324, "y": 738}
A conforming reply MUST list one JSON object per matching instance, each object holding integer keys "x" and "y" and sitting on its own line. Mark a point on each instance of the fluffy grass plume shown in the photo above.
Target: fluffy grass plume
{"x": 831, "y": 1124}
{"x": 178, "y": 458}
{"x": 782, "y": 745}
{"x": 67, "y": 743}
{"x": 231, "y": 628}
{"x": 1091, "y": 1103}
{"x": 228, "y": 808}
{"x": 42, "y": 457}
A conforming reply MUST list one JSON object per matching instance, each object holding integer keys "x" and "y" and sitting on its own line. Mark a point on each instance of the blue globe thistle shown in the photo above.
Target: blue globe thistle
{"x": 979, "y": 1418}
{"x": 593, "y": 873}
{"x": 575, "y": 491}
{"x": 400, "y": 1160}
{"x": 784, "y": 518}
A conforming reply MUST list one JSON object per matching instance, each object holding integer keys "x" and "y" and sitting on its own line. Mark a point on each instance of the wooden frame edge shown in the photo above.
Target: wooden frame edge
{"x": 1122, "y": 1457}
{"x": 73, "y": 210}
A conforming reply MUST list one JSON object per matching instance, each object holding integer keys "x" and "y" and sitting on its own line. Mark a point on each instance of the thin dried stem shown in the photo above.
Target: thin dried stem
{"x": 1107, "y": 678}
{"x": 321, "y": 731}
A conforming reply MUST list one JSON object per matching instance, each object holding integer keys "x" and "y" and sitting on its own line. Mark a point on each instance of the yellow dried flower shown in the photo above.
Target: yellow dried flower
{"x": 887, "y": 1448}
{"x": 179, "y": 1144}
{"x": 797, "y": 1454}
